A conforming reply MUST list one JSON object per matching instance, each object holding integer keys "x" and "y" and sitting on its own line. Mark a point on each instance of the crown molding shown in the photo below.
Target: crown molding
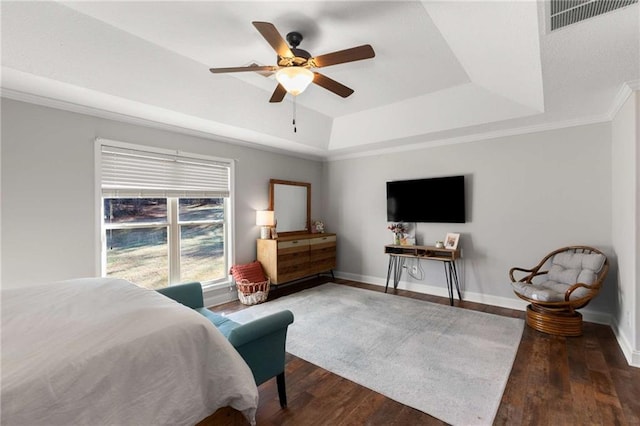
{"x": 475, "y": 137}
{"x": 74, "y": 107}
{"x": 621, "y": 97}
{"x": 634, "y": 84}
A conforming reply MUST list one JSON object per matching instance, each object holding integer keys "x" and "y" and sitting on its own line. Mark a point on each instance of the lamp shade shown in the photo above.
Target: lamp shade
{"x": 294, "y": 79}
{"x": 265, "y": 218}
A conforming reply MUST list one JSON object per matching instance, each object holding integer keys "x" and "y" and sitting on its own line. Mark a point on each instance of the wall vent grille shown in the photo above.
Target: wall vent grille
{"x": 567, "y": 12}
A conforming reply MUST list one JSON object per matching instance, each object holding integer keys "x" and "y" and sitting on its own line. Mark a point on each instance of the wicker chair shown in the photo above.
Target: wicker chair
{"x": 574, "y": 277}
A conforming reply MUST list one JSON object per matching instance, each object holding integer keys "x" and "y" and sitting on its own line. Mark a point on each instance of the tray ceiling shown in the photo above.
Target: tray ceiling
{"x": 442, "y": 71}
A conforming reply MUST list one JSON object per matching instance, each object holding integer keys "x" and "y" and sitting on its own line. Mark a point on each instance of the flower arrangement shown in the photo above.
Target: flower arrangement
{"x": 397, "y": 228}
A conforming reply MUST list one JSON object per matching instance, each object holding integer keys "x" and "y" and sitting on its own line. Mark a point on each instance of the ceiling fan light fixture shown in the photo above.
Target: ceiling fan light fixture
{"x": 294, "y": 79}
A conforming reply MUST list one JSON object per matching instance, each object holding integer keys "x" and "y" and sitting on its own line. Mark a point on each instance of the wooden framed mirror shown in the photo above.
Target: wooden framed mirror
{"x": 291, "y": 203}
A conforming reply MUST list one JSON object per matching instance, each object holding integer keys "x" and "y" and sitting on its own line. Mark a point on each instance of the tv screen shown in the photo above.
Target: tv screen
{"x": 426, "y": 200}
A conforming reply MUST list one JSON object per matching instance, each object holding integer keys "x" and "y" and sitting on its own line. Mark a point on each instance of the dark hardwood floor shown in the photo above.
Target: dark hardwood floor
{"x": 554, "y": 381}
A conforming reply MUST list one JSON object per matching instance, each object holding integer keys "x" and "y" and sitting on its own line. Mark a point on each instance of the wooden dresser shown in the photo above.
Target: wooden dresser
{"x": 292, "y": 257}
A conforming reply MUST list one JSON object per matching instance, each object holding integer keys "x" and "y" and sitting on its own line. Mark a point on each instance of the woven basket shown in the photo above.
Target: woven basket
{"x": 252, "y": 293}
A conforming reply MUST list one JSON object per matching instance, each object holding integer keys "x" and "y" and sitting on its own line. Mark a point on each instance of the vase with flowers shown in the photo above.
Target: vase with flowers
{"x": 398, "y": 230}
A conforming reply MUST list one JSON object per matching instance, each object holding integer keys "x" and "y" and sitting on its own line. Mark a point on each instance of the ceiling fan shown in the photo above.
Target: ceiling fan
{"x": 294, "y": 66}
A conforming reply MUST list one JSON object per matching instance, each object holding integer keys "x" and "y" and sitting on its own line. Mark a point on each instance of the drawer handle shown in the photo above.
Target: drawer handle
{"x": 294, "y": 242}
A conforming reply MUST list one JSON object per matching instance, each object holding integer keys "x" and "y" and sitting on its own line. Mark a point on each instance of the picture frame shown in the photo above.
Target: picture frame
{"x": 408, "y": 240}
{"x": 451, "y": 241}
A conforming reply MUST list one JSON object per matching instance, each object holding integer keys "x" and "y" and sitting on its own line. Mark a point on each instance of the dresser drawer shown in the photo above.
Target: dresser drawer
{"x": 322, "y": 266}
{"x": 322, "y": 253}
{"x": 297, "y": 269}
{"x": 322, "y": 240}
{"x": 287, "y": 258}
{"x": 303, "y": 244}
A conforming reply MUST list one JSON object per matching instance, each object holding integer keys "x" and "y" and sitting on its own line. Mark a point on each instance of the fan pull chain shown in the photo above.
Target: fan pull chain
{"x": 295, "y": 129}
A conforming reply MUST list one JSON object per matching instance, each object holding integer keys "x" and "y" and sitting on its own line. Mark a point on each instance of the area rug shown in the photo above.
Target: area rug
{"x": 448, "y": 362}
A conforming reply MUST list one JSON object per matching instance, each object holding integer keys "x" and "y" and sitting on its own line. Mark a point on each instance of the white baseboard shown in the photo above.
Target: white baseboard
{"x": 220, "y": 295}
{"x": 487, "y": 299}
{"x": 503, "y": 302}
{"x": 632, "y": 356}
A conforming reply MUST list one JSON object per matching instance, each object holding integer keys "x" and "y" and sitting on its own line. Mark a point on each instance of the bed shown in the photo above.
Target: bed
{"x": 105, "y": 351}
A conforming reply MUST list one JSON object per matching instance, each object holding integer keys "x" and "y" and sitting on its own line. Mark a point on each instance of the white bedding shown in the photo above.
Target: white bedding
{"x": 104, "y": 351}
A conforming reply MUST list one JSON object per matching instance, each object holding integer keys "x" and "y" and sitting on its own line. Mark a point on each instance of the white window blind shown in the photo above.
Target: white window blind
{"x": 128, "y": 172}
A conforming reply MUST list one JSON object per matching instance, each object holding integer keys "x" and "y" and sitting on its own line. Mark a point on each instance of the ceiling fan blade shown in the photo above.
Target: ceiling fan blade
{"x": 348, "y": 55}
{"x": 244, "y": 69}
{"x": 273, "y": 37}
{"x": 278, "y": 94}
{"x": 332, "y": 85}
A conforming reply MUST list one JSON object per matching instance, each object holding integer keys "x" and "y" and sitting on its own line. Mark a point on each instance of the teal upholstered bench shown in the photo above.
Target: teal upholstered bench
{"x": 261, "y": 342}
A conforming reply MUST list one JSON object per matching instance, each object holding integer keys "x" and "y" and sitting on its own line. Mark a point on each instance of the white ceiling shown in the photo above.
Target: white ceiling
{"x": 443, "y": 71}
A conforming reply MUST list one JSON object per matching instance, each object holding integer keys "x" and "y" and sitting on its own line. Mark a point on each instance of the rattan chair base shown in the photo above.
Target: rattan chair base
{"x": 555, "y": 323}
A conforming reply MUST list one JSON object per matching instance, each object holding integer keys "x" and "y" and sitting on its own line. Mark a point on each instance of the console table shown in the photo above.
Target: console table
{"x": 398, "y": 254}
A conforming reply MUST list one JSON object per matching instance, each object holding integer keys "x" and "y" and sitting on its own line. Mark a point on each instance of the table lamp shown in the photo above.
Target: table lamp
{"x": 265, "y": 219}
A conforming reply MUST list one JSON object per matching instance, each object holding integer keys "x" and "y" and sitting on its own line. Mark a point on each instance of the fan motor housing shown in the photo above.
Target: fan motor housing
{"x": 294, "y": 39}
{"x": 300, "y": 57}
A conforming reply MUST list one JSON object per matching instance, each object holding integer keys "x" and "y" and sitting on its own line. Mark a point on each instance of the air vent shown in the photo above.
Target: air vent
{"x": 567, "y": 12}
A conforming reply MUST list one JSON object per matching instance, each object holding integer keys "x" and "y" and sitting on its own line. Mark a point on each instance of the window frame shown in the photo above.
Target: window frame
{"x": 173, "y": 223}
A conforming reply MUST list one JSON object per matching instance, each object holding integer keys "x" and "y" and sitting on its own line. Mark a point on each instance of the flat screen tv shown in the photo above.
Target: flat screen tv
{"x": 426, "y": 200}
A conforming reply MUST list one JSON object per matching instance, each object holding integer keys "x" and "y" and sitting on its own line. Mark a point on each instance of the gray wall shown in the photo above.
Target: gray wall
{"x": 48, "y": 196}
{"x": 626, "y": 224}
{"x": 526, "y": 196}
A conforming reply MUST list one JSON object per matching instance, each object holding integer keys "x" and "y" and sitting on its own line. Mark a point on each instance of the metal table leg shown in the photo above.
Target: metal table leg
{"x": 455, "y": 278}
{"x": 451, "y": 274}
{"x": 391, "y": 264}
{"x": 396, "y": 265}
{"x": 447, "y": 275}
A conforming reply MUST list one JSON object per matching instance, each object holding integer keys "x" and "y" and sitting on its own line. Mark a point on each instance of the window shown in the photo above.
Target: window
{"x": 165, "y": 215}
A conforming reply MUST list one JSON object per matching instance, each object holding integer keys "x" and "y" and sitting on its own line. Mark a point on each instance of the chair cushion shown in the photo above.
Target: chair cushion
{"x": 251, "y": 272}
{"x": 570, "y": 268}
{"x": 548, "y": 291}
{"x": 567, "y": 269}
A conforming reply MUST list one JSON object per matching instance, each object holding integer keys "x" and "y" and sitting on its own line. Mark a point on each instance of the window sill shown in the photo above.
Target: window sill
{"x": 217, "y": 285}
{"x": 219, "y": 293}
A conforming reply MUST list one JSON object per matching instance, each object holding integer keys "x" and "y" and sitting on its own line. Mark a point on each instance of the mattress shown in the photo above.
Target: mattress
{"x": 105, "y": 351}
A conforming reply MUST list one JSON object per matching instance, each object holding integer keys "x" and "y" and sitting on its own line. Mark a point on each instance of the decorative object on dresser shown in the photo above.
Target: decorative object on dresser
{"x": 292, "y": 257}
{"x": 317, "y": 227}
{"x": 266, "y": 220}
